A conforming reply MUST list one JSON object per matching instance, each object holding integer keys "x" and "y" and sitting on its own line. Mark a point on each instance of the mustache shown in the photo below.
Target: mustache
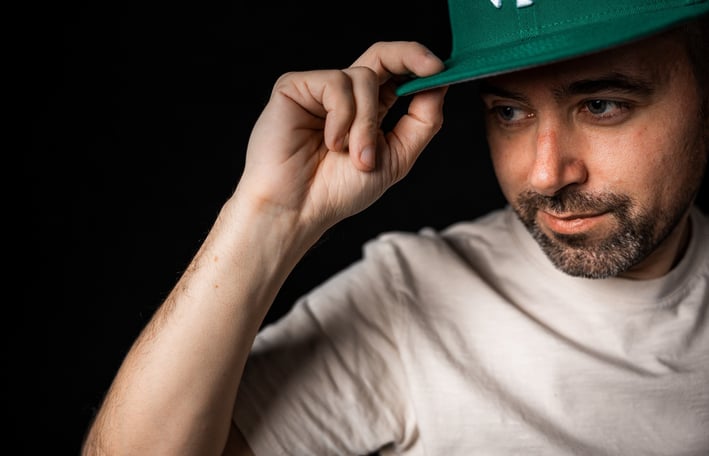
{"x": 572, "y": 201}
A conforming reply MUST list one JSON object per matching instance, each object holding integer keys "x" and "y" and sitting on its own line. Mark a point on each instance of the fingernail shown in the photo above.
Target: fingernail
{"x": 367, "y": 157}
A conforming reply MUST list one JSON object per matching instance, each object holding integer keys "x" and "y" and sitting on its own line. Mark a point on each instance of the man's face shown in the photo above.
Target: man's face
{"x": 601, "y": 157}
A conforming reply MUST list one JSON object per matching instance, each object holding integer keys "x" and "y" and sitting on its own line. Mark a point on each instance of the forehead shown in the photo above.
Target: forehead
{"x": 655, "y": 59}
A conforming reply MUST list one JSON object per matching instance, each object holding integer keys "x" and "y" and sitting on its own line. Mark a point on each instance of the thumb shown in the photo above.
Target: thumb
{"x": 415, "y": 129}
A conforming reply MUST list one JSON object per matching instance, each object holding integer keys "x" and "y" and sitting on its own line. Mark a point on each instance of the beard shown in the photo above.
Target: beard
{"x": 634, "y": 236}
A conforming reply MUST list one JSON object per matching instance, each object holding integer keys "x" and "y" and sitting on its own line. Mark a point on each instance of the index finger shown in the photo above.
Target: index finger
{"x": 398, "y": 58}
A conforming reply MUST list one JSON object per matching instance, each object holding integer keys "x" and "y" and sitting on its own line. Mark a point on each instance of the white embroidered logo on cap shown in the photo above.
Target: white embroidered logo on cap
{"x": 520, "y": 3}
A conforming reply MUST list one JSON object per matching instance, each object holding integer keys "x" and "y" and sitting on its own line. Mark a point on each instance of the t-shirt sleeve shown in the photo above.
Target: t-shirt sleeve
{"x": 327, "y": 377}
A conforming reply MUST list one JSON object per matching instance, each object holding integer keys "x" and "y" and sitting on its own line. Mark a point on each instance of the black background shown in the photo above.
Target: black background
{"x": 140, "y": 116}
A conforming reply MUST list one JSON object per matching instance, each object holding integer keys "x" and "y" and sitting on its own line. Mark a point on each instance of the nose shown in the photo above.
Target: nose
{"x": 557, "y": 163}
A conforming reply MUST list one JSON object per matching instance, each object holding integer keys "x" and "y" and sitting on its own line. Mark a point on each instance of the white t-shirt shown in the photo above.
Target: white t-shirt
{"x": 469, "y": 342}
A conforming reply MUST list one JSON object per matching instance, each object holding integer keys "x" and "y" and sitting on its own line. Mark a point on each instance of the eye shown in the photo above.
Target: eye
{"x": 598, "y": 106}
{"x": 510, "y": 113}
{"x": 605, "y": 109}
{"x": 506, "y": 112}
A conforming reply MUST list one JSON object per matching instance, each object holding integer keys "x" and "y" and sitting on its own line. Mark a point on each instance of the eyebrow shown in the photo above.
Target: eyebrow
{"x": 613, "y": 82}
{"x": 485, "y": 88}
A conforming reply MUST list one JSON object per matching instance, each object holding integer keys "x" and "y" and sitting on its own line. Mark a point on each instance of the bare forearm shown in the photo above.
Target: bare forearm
{"x": 316, "y": 155}
{"x": 175, "y": 392}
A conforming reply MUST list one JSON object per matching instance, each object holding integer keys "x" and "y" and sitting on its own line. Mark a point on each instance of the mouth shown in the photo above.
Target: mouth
{"x": 569, "y": 224}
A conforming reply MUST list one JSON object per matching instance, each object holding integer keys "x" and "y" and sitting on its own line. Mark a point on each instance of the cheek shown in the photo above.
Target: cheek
{"x": 676, "y": 142}
{"x": 660, "y": 163}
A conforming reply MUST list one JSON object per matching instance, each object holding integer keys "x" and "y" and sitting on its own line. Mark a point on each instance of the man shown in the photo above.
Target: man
{"x": 573, "y": 322}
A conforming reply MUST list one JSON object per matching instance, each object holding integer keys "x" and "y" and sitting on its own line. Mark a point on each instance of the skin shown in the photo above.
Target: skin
{"x": 316, "y": 156}
{"x": 307, "y": 168}
{"x": 575, "y": 142}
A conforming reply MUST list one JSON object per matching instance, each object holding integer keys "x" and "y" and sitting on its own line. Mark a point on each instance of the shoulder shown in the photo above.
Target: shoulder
{"x": 469, "y": 243}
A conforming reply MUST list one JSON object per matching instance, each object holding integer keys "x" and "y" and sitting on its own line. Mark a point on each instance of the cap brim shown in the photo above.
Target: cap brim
{"x": 541, "y": 50}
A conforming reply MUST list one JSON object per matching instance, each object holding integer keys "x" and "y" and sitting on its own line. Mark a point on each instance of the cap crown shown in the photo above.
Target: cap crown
{"x": 495, "y": 36}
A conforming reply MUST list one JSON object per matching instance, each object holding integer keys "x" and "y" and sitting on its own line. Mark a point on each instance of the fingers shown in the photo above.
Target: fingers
{"x": 424, "y": 118}
{"x": 363, "y": 132}
{"x": 352, "y": 102}
{"x": 399, "y": 58}
{"x": 348, "y": 100}
{"x": 387, "y": 60}
{"x": 313, "y": 100}
{"x": 415, "y": 130}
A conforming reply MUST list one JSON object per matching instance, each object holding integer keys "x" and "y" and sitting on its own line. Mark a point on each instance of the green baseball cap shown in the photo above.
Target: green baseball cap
{"x": 492, "y": 37}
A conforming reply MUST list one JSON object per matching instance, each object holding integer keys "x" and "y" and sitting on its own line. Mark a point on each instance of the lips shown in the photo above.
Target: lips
{"x": 570, "y": 223}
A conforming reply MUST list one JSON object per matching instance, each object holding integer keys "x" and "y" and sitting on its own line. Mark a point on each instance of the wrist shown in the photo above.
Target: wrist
{"x": 281, "y": 234}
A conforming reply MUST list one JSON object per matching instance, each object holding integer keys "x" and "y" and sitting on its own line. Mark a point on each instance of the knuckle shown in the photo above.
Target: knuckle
{"x": 364, "y": 73}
